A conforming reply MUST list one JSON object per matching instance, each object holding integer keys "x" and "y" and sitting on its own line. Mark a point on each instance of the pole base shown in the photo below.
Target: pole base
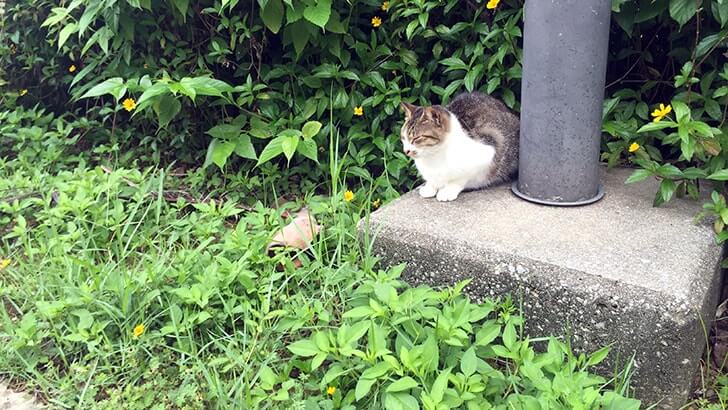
{"x": 598, "y": 196}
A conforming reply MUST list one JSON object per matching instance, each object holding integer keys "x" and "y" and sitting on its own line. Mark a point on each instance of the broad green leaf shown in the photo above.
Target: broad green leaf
{"x": 488, "y": 333}
{"x": 244, "y": 148}
{"x": 289, "y": 145}
{"x": 654, "y": 126}
{"x": 721, "y": 175}
{"x": 707, "y": 43}
{"x": 224, "y": 132}
{"x": 318, "y": 14}
{"x": 405, "y": 383}
{"x": 376, "y": 80}
{"x": 318, "y": 360}
{"x": 535, "y": 375}
{"x": 469, "y": 361}
{"x": 66, "y": 32}
{"x": 362, "y": 387}
{"x": 430, "y": 354}
{"x": 598, "y": 356}
{"x": 639, "y": 175}
{"x": 113, "y": 86}
{"x": 184, "y": 89}
{"x": 502, "y": 351}
{"x": 335, "y": 25}
{"x": 304, "y": 348}
{"x": 667, "y": 189}
{"x": 299, "y": 34}
{"x": 218, "y": 153}
{"x": 400, "y": 401}
{"x": 307, "y": 148}
{"x": 687, "y": 146}
{"x": 376, "y": 371}
{"x": 471, "y": 76}
{"x": 720, "y": 11}
{"x": 205, "y": 86}
{"x": 85, "y": 318}
{"x": 613, "y": 401}
{"x": 683, "y": 10}
{"x": 310, "y": 129}
{"x": 509, "y": 336}
{"x": 682, "y": 111}
{"x": 702, "y": 129}
{"x": 91, "y": 66}
{"x": 694, "y": 173}
{"x": 267, "y": 376}
{"x": 438, "y": 387}
{"x": 617, "y": 5}
{"x": 272, "y": 150}
{"x": 649, "y": 9}
{"x": 149, "y": 94}
{"x": 182, "y": 6}
{"x": 57, "y": 15}
{"x": 669, "y": 171}
{"x": 272, "y": 15}
{"x": 355, "y": 333}
{"x": 358, "y": 312}
{"x": 166, "y": 107}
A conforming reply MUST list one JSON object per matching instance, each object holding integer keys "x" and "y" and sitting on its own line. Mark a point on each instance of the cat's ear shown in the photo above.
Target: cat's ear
{"x": 408, "y": 109}
{"x": 437, "y": 114}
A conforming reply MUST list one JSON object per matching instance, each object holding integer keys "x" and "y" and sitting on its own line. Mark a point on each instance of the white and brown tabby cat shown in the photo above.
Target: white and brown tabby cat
{"x": 472, "y": 143}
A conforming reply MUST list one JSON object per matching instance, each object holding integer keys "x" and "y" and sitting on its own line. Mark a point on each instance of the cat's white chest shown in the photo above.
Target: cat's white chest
{"x": 462, "y": 161}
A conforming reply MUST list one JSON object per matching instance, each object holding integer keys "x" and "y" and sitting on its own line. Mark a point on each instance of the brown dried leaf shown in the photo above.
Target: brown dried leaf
{"x": 297, "y": 234}
{"x": 712, "y": 147}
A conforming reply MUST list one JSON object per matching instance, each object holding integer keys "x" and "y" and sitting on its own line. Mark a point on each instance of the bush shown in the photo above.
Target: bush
{"x": 121, "y": 289}
{"x": 212, "y": 76}
{"x": 674, "y": 59}
{"x": 217, "y": 81}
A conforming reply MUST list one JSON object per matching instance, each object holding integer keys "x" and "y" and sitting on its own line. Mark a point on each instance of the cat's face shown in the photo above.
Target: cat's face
{"x": 424, "y": 129}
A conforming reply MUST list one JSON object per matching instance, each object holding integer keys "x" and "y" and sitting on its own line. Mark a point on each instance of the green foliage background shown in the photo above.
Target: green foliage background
{"x": 258, "y": 70}
{"x": 265, "y": 91}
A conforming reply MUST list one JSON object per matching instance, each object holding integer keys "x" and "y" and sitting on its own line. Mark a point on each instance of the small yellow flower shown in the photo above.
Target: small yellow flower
{"x": 376, "y": 203}
{"x": 634, "y": 147}
{"x": 661, "y": 112}
{"x": 4, "y": 263}
{"x": 129, "y": 104}
{"x": 492, "y": 4}
{"x": 139, "y": 330}
{"x": 23, "y": 92}
{"x": 72, "y": 68}
{"x": 359, "y": 111}
{"x": 376, "y": 21}
{"x": 331, "y": 390}
{"x": 385, "y": 6}
{"x": 348, "y": 196}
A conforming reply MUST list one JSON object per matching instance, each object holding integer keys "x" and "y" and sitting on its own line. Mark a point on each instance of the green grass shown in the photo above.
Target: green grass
{"x": 95, "y": 253}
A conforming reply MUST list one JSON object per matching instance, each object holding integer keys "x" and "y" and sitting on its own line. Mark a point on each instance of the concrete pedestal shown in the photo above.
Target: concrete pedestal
{"x": 617, "y": 271}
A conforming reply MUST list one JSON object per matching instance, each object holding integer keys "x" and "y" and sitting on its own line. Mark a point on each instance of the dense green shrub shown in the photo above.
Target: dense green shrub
{"x": 239, "y": 79}
{"x": 281, "y": 69}
{"x": 121, "y": 289}
{"x": 671, "y": 53}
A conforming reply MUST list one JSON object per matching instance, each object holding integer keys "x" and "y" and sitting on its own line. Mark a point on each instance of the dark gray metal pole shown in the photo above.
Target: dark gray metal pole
{"x": 565, "y": 44}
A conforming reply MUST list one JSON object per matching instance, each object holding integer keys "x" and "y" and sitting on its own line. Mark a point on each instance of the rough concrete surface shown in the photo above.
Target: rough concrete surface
{"x": 616, "y": 271}
{"x": 10, "y": 400}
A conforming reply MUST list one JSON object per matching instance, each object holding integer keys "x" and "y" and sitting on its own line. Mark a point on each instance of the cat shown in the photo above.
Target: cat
{"x": 472, "y": 143}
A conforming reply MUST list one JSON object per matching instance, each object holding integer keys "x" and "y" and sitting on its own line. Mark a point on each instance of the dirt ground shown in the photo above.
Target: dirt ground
{"x": 10, "y": 400}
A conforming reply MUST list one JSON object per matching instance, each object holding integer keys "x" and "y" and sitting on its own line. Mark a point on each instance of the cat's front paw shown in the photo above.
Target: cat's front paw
{"x": 427, "y": 191}
{"x": 449, "y": 193}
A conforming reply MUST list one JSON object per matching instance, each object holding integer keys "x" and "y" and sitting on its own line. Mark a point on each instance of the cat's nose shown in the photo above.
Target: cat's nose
{"x": 410, "y": 153}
